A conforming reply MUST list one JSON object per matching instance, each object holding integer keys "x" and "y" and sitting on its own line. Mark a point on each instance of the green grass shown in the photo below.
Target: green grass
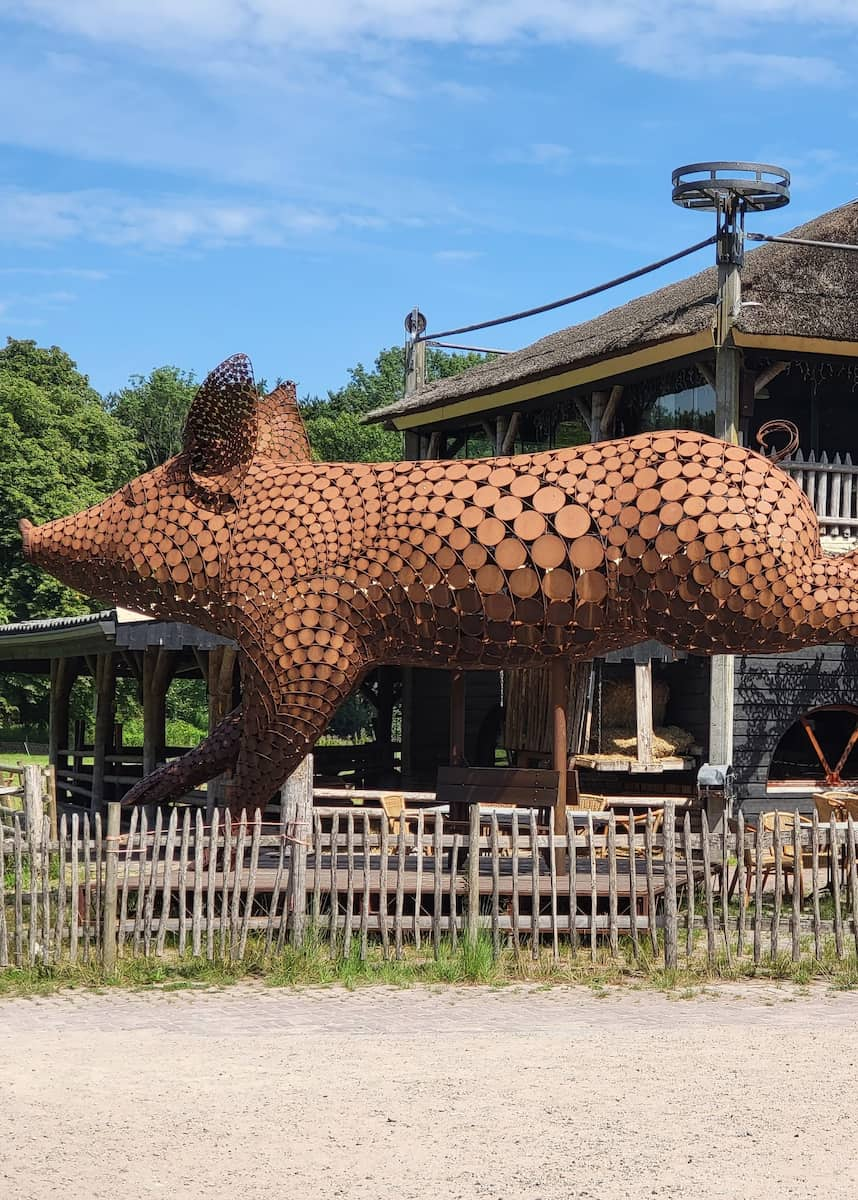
{"x": 10, "y": 758}
{"x": 469, "y": 963}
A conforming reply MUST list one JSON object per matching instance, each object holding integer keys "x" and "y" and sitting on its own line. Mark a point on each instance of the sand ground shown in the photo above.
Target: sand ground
{"x": 456, "y": 1093}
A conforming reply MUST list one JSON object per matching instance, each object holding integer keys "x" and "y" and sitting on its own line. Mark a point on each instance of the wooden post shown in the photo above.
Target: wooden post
{"x": 105, "y": 684}
{"x": 158, "y": 665}
{"x": 643, "y": 711}
{"x": 728, "y": 390}
{"x": 63, "y": 674}
{"x": 457, "y": 718}
{"x": 111, "y": 875}
{"x": 220, "y": 671}
{"x": 50, "y": 784}
{"x": 473, "y": 926}
{"x": 34, "y": 806}
{"x": 560, "y": 736}
{"x": 296, "y": 811}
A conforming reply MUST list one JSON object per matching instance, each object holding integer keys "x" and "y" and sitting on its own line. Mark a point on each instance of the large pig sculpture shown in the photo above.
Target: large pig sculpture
{"x": 320, "y": 571}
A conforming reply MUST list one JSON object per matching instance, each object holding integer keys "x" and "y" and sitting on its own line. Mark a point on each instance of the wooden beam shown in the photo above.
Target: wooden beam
{"x": 586, "y": 414}
{"x": 508, "y": 444}
{"x": 221, "y": 667}
{"x": 643, "y": 711}
{"x": 457, "y": 718}
{"x": 434, "y": 444}
{"x": 63, "y": 674}
{"x": 105, "y": 702}
{"x": 765, "y": 377}
{"x": 707, "y": 373}
{"x": 606, "y": 425}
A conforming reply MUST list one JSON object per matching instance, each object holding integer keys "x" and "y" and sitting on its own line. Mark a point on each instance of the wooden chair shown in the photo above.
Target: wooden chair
{"x": 766, "y": 825}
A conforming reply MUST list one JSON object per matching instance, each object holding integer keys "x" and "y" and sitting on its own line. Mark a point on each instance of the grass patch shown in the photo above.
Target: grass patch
{"x": 469, "y": 963}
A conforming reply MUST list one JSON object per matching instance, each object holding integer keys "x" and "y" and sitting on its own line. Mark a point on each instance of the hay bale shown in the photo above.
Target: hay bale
{"x": 619, "y": 705}
{"x": 668, "y": 742}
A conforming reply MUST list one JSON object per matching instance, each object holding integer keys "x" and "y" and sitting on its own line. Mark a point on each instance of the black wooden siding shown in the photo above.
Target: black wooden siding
{"x": 430, "y": 732}
{"x": 772, "y": 692}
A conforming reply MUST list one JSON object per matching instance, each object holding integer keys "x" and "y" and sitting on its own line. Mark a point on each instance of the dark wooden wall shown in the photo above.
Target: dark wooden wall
{"x": 430, "y": 730}
{"x": 772, "y": 692}
{"x": 688, "y": 699}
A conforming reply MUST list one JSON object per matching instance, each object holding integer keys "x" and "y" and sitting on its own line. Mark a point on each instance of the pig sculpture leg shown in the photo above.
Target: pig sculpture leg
{"x": 216, "y": 754}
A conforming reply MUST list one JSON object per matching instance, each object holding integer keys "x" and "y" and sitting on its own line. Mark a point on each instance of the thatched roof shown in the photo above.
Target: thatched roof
{"x": 797, "y": 292}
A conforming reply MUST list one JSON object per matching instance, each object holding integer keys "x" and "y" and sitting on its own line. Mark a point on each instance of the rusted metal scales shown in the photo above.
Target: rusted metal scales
{"x": 320, "y": 571}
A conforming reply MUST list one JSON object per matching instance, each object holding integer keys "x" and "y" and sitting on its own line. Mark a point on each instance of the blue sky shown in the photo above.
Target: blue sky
{"x": 181, "y": 179}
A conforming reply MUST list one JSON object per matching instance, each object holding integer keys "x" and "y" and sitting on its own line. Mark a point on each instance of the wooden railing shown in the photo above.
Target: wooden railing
{"x": 831, "y": 485}
{"x": 176, "y": 886}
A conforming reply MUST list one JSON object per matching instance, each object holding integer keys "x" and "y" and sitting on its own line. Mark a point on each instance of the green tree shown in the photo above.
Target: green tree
{"x": 334, "y": 424}
{"x": 60, "y": 451}
{"x": 154, "y": 408}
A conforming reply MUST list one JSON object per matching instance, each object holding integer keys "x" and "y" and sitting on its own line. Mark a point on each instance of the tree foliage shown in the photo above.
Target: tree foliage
{"x": 60, "y": 451}
{"x": 154, "y": 408}
{"x": 334, "y": 424}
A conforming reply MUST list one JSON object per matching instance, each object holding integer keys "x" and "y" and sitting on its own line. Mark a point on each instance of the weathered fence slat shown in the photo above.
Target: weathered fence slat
{"x": 797, "y": 861}
{"x": 126, "y": 874}
{"x": 707, "y": 886}
{"x": 689, "y": 920}
{"x": 534, "y": 887}
{"x": 167, "y": 884}
{"x": 184, "y": 848}
{"x": 251, "y": 882}
{"x": 495, "y": 884}
{"x": 834, "y": 851}
{"x": 593, "y": 889}
{"x": 649, "y": 849}
{"x": 670, "y": 911}
{"x": 418, "y": 881}
{"x": 741, "y": 883}
{"x": 152, "y": 883}
{"x": 814, "y": 866}
{"x": 197, "y": 918}
{"x": 87, "y": 884}
{"x": 633, "y": 883}
{"x": 142, "y": 860}
{"x": 224, "y": 889}
{"x": 853, "y": 877}
{"x": 474, "y": 873}
{"x": 334, "y": 902}
{"x": 211, "y": 891}
{"x": 350, "y": 884}
{"x": 571, "y": 856}
{"x": 238, "y": 873}
{"x": 612, "y": 884}
{"x": 383, "y": 897}
{"x": 437, "y": 882}
{"x": 74, "y": 901}
{"x": 4, "y": 938}
{"x": 552, "y": 880}
{"x": 400, "y": 888}
{"x": 516, "y": 885}
{"x": 365, "y": 895}
{"x": 758, "y": 893}
{"x": 454, "y": 895}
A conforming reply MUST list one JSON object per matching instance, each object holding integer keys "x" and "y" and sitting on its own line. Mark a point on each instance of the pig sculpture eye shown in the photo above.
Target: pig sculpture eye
{"x": 221, "y": 432}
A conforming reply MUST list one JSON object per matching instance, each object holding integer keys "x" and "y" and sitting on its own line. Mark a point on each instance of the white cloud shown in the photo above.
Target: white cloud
{"x": 634, "y": 28}
{"x": 457, "y": 256}
{"x": 110, "y": 218}
{"x": 86, "y": 274}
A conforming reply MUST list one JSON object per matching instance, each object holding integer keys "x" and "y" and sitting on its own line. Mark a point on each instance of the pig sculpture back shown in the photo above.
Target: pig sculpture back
{"x": 321, "y": 571}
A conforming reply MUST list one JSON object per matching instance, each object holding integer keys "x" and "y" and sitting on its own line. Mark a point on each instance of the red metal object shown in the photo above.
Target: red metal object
{"x": 321, "y": 571}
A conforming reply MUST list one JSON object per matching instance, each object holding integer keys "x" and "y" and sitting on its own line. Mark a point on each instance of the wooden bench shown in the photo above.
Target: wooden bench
{"x": 496, "y": 787}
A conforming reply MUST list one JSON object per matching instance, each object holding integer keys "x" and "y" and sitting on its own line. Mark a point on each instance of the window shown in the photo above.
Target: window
{"x": 693, "y": 408}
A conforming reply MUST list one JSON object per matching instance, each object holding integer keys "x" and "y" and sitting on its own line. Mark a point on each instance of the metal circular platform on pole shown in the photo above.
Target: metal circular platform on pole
{"x": 715, "y": 186}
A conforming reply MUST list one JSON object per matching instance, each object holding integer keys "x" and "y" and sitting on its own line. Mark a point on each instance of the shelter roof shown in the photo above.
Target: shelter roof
{"x": 794, "y": 297}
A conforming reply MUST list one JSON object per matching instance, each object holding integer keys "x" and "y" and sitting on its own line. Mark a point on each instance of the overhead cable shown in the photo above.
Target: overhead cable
{"x": 593, "y": 291}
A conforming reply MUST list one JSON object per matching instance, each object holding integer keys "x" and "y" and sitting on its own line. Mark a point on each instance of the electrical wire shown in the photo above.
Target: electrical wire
{"x": 794, "y": 241}
{"x": 593, "y": 291}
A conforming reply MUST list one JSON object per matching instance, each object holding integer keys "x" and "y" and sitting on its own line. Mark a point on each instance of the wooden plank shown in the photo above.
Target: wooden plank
{"x": 167, "y": 884}
{"x": 212, "y": 879}
{"x": 111, "y": 870}
{"x": 495, "y": 853}
{"x": 350, "y": 887}
{"x": 853, "y": 876}
{"x": 418, "y": 883}
{"x": 62, "y": 905}
{"x": 516, "y": 887}
{"x": 633, "y": 884}
{"x": 649, "y": 850}
{"x": 87, "y": 885}
{"x": 814, "y": 867}
{"x": 400, "y": 889}
{"x": 534, "y": 888}
{"x": 383, "y": 897}
{"x": 437, "y": 881}
{"x": 612, "y": 885}
{"x": 741, "y": 882}
{"x": 197, "y": 918}
{"x": 224, "y": 892}
{"x": 779, "y": 885}
{"x": 184, "y": 848}
{"x": 592, "y": 853}
{"x": 152, "y": 884}
{"x": 277, "y": 896}
{"x": 572, "y": 875}
{"x": 643, "y": 712}
{"x": 670, "y": 915}
{"x": 317, "y": 874}
{"x": 834, "y": 851}
{"x": 725, "y": 887}
{"x": 474, "y": 873}
{"x": 365, "y": 897}
{"x": 33, "y": 842}
{"x": 707, "y": 885}
{"x": 237, "y": 876}
{"x": 758, "y": 893}
{"x": 45, "y": 866}
{"x": 689, "y": 922}
{"x": 251, "y": 882}
{"x": 334, "y": 894}
{"x": 454, "y": 900}
{"x": 795, "y": 919}
{"x": 552, "y": 876}
{"x": 126, "y": 873}
{"x": 4, "y": 936}
{"x": 18, "y": 861}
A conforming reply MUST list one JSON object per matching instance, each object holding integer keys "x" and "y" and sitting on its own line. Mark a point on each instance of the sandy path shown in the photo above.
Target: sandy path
{"x": 459, "y": 1093}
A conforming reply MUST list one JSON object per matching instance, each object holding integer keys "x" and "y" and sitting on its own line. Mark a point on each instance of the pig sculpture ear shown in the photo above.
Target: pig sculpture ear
{"x": 221, "y": 429}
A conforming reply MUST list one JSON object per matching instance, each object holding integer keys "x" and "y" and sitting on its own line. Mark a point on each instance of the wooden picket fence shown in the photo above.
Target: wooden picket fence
{"x": 831, "y": 485}
{"x": 170, "y": 884}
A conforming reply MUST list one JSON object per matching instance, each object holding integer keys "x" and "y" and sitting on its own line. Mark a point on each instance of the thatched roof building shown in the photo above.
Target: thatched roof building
{"x": 796, "y": 299}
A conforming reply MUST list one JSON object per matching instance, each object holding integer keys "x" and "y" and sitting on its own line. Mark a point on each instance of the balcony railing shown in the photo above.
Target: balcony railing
{"x": 831, "y": 485}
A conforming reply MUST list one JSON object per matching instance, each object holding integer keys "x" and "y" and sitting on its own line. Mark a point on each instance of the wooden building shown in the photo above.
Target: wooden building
{"x": 107, "y": 646}
{"x": 649, "y": 364}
